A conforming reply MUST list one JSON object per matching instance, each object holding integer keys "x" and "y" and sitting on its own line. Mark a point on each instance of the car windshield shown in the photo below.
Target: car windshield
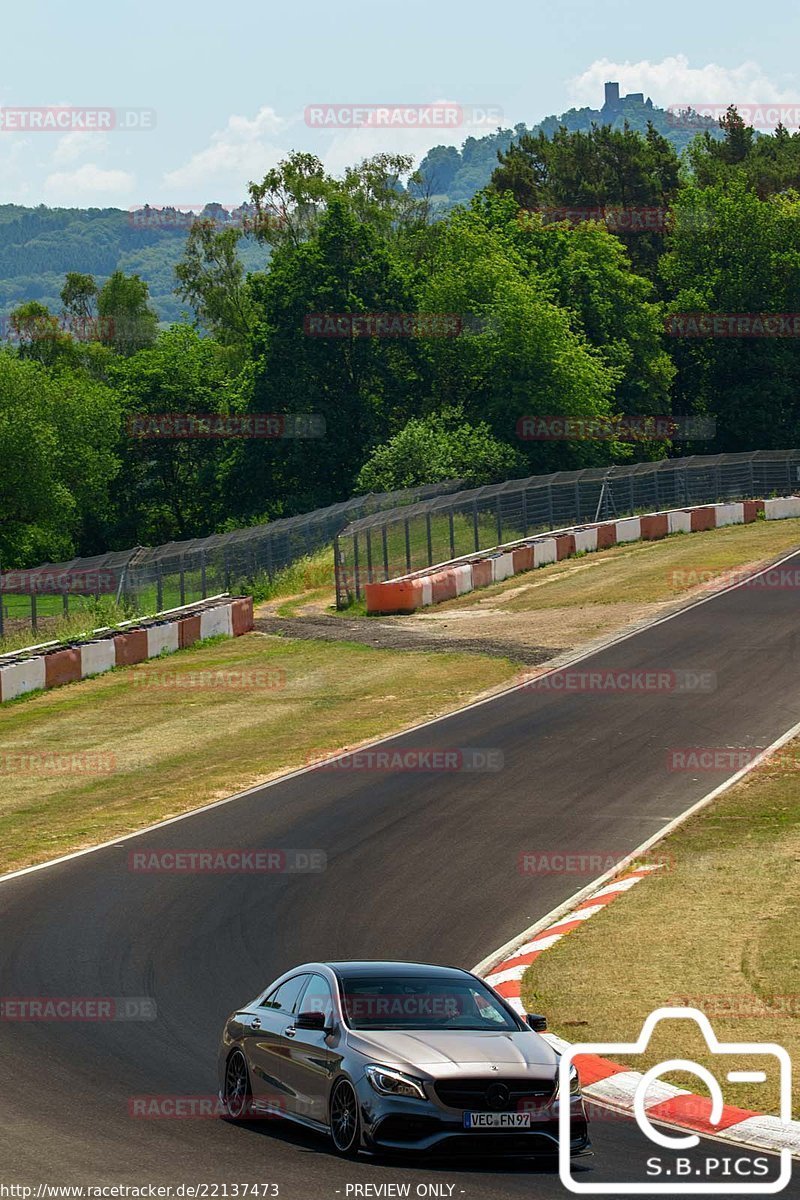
{"x": 426, "y": 1002}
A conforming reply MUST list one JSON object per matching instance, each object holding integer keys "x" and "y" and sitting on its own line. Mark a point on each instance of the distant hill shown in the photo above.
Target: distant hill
{"x": 39, "y": 245}
{"x": 453, "y": 176}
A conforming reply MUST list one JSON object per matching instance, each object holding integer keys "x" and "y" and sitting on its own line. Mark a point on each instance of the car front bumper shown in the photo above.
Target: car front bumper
{"x": 401, "y": 1124}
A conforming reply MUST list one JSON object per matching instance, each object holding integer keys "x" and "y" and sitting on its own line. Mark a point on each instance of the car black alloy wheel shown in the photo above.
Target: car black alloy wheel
{"x": 237, "y": 1087}
{"x": 344, "y": 1118}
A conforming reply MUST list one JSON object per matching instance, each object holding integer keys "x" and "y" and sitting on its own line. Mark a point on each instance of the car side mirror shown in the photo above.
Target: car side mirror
{"x": 536, "y": 1021}
{"x": 310, "y": 1020}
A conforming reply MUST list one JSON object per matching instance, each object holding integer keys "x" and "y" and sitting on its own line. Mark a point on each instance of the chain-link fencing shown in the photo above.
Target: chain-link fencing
{"x": 392, "y": 543}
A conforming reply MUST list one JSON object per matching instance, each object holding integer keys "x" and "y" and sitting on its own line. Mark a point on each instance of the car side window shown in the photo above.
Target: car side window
{"x": 318, "y": 998}
{"x": 283, "y": 998}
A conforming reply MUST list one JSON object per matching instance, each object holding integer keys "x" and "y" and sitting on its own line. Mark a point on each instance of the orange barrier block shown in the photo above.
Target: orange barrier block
{"x": 130, "y": 648}
{"x": 655, "y": 526}
{"x": 444, "y": 586}
{"x": 189, "y": 631}
{"x": 523, "y": 559}
{"x": 62, "y": 666}
{"x": 401, "y": 596}
{"x": 751, "y": 510}
{"x": 565, "y": 545}
{"x": 702, "y": 519}
{"x": 606, "y": 535}
{"x": 482, "y": 573}
{"x": 242, "y": 615}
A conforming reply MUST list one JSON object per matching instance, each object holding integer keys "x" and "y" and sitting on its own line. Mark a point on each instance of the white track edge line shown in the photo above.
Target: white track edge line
{"x": 258, "y": 787}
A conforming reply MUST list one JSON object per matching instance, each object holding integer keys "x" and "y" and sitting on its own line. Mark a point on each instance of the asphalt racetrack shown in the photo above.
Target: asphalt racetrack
{"x": 420, "y": 865}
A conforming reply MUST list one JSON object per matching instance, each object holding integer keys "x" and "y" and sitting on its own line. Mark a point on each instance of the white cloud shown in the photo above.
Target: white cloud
{"x": 674, "y": 82}
{"x": 245, "y": 149}
{"x": 75, "y": 145}
{"x": 88, "y": 184}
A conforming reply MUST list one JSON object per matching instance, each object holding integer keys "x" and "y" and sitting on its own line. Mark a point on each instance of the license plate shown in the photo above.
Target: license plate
{"x": 493, "y": 1120}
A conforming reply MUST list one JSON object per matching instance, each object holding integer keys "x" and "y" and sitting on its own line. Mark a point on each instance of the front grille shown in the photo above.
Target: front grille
{"x": 499, "y": 1094}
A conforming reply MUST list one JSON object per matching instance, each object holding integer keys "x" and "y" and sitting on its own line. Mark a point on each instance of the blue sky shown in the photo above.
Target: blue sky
{"x": 229, "y": 84}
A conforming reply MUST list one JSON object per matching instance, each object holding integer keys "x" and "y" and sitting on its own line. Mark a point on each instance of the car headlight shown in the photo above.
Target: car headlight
{"x": 389, "y": 1082}
{"x": 574, "y": 1082}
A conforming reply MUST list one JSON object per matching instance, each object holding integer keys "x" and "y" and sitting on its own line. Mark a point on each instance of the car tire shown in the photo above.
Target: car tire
{"x": 344, "y": 1120}
{"x": 238, "y": 1095}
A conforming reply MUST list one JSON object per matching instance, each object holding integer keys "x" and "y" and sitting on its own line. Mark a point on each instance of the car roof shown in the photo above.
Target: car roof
{"x": 376, "y": 967}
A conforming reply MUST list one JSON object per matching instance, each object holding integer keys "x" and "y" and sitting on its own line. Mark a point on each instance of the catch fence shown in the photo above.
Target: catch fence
{"x": 392, "y": 543}
{"x": 150, "y": 579}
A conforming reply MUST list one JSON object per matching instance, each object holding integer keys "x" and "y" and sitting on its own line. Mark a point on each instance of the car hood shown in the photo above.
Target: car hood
{"x": 440, "y": 1051}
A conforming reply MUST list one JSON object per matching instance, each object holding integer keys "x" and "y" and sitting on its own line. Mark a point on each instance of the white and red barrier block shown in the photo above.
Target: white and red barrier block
{"x": 443, "y": 582}
{"x": 162, "y": 639}
{"x": 17, "y": 678}
{"x": 97, "y": 657}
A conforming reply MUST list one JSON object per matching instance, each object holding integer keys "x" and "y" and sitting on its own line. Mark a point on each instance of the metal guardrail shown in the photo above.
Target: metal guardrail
{"x": 150, "y": 579}
{"x": 392, "y": 543}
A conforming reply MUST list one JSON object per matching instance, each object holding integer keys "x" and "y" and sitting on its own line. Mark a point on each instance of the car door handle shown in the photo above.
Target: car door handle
{"x": 290, "y": 1031}
{"x": 255, "y": 1023}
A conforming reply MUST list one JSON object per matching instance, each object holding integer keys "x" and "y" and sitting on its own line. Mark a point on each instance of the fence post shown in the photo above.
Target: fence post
{"x": 475, "y": 525}
{"x": 159, "y": 588}
{"x": 385, "y": 545}
{"x": 577, "y": 501}
{"x": 524, "y": 512}
{"x": 550, "y": 505}
{"x": 34, "y": 622}
{"x": 226, "y": 567}
{"x": 65, "y": 603}
{"x": 337, "y": 572}
{"x": 430, "y": 540}
{"x": 203, "y": 573}
{"x": 452, "y": 535}
{"x": 408, "y": 545}
{"x": 499, "y": 515}
{"x": 356, "y": 571}
{"x": 182, "y": 583}
{"x": 369, "y": 555}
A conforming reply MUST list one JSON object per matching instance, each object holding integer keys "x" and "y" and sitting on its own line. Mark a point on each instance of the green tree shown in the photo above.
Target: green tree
{"x": 171, "y": 487}
{"x": 435, "y": 448}
{"x": 58, "y": 436}
{"x": 127, "y": 322}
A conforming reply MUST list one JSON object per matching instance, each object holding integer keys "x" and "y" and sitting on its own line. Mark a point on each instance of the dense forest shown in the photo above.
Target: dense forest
{"x": 39, "y": 245}
{"x": 423, "y": 343}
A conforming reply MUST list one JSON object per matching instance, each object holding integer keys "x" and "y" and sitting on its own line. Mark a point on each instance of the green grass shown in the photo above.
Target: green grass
{"x": 717, "y": 931}
{"x": 167, "y": 749}
{"x": 640, "y": 572}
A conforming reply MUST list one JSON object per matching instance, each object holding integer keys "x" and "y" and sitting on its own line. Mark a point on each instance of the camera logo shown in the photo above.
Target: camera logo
{"x": 691, "y": 1179}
